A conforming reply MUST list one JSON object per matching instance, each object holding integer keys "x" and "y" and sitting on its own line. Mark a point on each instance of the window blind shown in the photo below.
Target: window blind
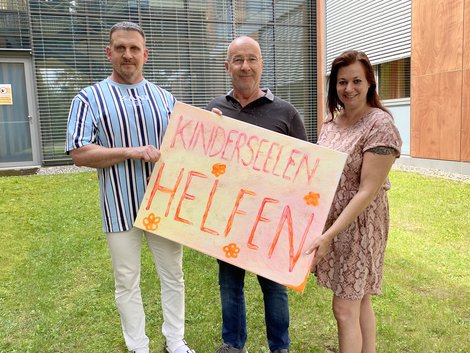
{"x": 394, "y": 79}
{"x": 381, "y": 29}
{"x": 187, "y": 43}
{"x": 14, "y": 25}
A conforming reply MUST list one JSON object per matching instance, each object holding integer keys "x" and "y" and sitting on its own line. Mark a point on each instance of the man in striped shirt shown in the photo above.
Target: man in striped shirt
{"x": 117, "y": 126}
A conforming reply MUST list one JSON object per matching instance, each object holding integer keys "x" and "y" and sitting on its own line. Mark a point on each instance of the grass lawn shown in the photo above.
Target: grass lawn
{"x": 56, "y": 285}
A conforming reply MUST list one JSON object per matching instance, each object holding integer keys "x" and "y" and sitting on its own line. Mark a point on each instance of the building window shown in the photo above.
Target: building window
{"x": 394, "y": 79}
{"x": 187, "y": 40}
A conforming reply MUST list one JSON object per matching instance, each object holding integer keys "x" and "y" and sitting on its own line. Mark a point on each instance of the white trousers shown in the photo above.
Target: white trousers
{"x": 125, "y": 250}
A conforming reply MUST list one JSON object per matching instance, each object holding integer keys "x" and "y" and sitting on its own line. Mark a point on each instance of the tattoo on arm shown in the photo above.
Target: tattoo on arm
{"x": 382, "y": 150}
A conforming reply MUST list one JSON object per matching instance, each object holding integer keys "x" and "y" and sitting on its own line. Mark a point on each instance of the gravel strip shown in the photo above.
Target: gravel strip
{"x": 63, "y": 169}
{"x": 437, "y": 173}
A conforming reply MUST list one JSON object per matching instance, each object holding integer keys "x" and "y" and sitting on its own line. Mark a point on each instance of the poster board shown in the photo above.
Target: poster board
{"x": 240, "y": 193}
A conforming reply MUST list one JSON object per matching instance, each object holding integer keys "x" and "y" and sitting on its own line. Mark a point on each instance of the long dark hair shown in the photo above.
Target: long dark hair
{"x": 349, "y": 57}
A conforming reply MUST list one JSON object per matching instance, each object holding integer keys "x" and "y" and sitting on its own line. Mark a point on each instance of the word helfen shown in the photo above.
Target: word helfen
{"x": 185, "y": 199}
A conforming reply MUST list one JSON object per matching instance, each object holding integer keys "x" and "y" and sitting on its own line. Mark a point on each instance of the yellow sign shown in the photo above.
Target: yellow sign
{"x": 6, "y": 97}
{"x": 240, "y": 193}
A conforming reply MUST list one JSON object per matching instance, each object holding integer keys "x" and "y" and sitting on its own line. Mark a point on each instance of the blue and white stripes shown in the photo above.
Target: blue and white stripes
{"x": 115, "y": 115}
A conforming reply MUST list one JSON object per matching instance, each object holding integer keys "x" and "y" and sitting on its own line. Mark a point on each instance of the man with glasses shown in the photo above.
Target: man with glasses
{"x": 249, "y": 103}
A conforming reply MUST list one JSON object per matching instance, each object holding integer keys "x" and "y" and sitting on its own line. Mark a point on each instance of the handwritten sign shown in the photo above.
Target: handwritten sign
{"x": 240, "y": 193}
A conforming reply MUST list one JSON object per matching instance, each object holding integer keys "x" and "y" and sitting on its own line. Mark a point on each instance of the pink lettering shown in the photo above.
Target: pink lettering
{"x": 269, "y": 157}
{"x": 259, "y": 153}
{"x": 310, "y": 174}
{"x": 180, "y": 132}
{"x": 246, "y": 164}
{"x": 290, "y": 162}
{"x": 228, "y": 141}
{"x": 216, "y": 138}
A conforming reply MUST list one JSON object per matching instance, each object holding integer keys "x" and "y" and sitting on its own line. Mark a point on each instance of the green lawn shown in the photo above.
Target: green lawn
{"x": 56, "y": 285}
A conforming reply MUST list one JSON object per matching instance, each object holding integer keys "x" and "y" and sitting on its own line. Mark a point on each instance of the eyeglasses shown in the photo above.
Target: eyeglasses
{"x": 239, "y": 61}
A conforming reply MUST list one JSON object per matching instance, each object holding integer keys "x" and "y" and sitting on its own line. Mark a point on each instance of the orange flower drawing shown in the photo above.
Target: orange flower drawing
{"x": 218, "y": 169}
{"x": 231, "y": 250}
{"x": 151, "y": 222}
{"x": 312, "y": 198}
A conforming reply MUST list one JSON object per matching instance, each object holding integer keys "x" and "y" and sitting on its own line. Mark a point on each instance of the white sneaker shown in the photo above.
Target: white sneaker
{"x": 183, "y": 348}
{"x": 141, "y": 350}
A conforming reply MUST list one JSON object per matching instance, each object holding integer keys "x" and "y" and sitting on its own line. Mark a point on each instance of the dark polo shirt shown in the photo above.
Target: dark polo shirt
{"x": 269, "y": 112}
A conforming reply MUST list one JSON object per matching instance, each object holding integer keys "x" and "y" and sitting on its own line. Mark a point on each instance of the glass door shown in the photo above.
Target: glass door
{"x": 19, "y": 145}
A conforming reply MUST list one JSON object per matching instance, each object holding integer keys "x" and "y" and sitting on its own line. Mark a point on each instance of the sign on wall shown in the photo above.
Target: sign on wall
{"x": 6, "y": 97}
{"x": 240, "y": 193}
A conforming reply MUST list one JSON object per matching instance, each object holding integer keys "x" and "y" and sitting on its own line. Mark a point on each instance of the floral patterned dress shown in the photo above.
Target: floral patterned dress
{"x": 353, "y": 266}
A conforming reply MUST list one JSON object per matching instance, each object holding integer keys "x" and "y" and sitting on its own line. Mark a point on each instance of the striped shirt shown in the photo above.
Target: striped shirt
{"x": 115, "y": 115}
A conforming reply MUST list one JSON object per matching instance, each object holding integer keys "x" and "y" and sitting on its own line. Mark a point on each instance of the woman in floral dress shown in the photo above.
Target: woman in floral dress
{"x": 349, "y": 254}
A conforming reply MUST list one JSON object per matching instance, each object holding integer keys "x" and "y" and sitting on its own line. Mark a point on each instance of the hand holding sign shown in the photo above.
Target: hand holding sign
{"x": 243, "y": 194}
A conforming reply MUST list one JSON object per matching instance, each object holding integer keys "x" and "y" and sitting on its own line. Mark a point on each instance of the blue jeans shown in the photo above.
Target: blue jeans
{"x": 276, "y": 308}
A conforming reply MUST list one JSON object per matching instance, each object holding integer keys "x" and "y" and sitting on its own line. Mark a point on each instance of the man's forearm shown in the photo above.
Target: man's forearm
{"x": 95, "y": 156}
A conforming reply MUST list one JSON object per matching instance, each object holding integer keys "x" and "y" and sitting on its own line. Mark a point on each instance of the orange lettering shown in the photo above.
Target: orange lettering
{"x": 206, "y": 212}
{"x": 286, "y": 216}
{"x": 259, "y": 218}
{"x": 236, "y": 209}
{"x": 157, "y": 187}
{"x": 186, "y": 196}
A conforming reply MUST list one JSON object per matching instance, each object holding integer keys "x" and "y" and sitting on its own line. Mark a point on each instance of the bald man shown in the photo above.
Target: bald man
{"x": 248, "y": 102}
